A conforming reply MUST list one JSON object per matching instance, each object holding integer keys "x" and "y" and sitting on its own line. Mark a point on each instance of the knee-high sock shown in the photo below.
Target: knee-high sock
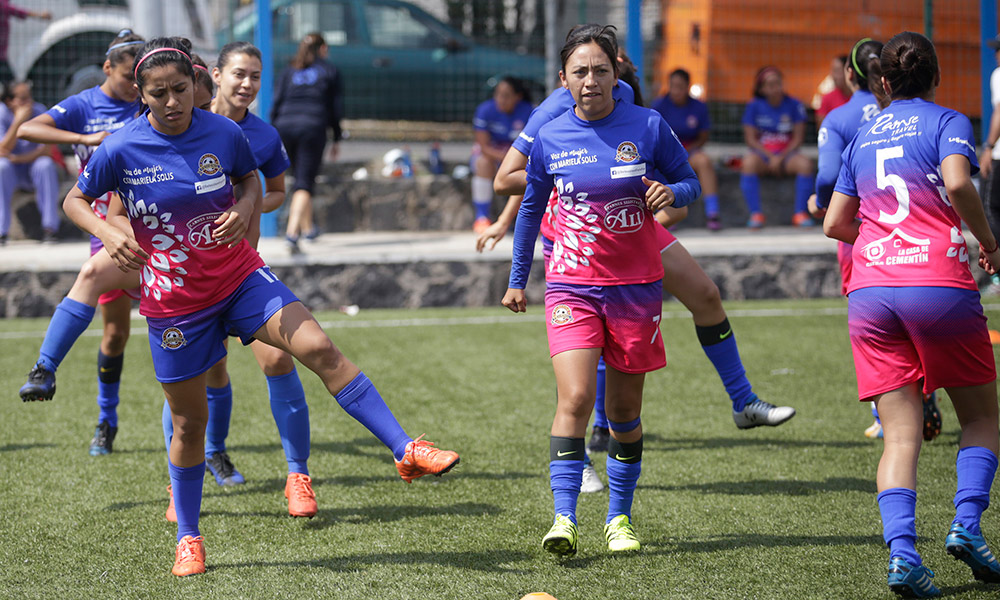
{"x": 68, "y": 322}
{"x": 566, "y": 459}
{"x": 899, "y": 529}
{"x": 186, "y": 485}
{"x": 750, "y": 186}
{"x": 109, "y": 376}
{"x": 482, "y": 196}
{"x": 976, "y": 467}
{"x": 362, "y": 401}
{"x": 719, "y": 344}
{"x": 624, "y": 466}
{"x": 168, "y": 424}
{"x": 804, "y": 187}
{"x": 711, "y": 204}
{"x": 291, "y": 415}
{"x": 220, "y": 410}
{"x": 600, "y": 417}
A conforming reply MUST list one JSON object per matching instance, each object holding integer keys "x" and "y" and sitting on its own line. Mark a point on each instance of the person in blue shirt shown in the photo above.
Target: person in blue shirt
{"x": 688, "y": 117}
{"x": 84, "y": 121}
{"x": 497, "y": 123}
{"x": 774, "y": 126}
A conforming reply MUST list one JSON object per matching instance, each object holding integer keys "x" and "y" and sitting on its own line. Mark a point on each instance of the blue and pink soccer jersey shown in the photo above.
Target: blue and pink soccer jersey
{"x": 174, "y": 187}
{"x": 687, "y": 120}
{"x": 775, "y": 123}
{"x": 502, "y": 127}
{"x": 265, "y": 142}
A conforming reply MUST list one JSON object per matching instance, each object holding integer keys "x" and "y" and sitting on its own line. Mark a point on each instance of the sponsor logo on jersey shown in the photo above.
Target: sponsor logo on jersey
{"x": 625, "y": 215}
{"x": 562, "y": 314}
{"x": 627, "y": 152}
{"x": 172, "y": 338}
{"x": 200, "y": 231}
{"x": 209, "y": 164}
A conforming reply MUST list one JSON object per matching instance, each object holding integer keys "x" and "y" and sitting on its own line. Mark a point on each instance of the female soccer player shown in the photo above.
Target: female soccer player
{"x": 187, "y": 183}
{"x": 603, "y": 282}
{"x": 913, "y": 307}
{"x": 497, "y": 122}
{"x": 84, "y": 120}
{"x": 773, "y": 129}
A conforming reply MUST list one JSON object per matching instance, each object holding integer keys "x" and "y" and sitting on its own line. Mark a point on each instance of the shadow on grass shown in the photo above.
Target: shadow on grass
{"x": 782, "y": 487}
{"x": 478, "y": 561}
{"x": 357, "y": 447}
{"x": 388, "y": 513}
{"x": 19, "y": 447}
{"x": 653, "y": 441}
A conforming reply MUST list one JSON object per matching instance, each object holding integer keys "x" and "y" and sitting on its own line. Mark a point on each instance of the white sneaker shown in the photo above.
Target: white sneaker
{"x": 758, "y": 413}
{"x": 591, "y": 482}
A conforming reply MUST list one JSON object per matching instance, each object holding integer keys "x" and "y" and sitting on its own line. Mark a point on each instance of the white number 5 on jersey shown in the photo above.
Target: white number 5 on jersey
{"x": 894, "y": 181}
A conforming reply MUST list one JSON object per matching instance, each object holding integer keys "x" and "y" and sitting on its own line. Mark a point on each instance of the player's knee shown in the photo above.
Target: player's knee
{"x": 190, "y": 429}
{"x": 115, "y": 339}
{"x": 277, "y": 363}
{"x": 320, "y": 353}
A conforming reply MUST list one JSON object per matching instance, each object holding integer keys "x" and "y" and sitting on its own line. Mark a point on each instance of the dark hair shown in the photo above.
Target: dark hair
{"x": 308, "y": 50}
{"x": 843, "y": 58}
{"x": 863, "y": 56}
{"x": 201, "y": 76}
{"x": 7, "y": 89}
{"x": 683, "y": 74}
{"x": 626, "y": 72}
{"x": 875, "y": 83}
{"x": 124, "y": 47}
{"x": 516, "y": 84}
{"x": 602, "y": 35}
{"x": 237, "y": 48}
{"x": 758, "y": 79}
{"x": 909, "y": 63}
{"x": 160, "y": 52}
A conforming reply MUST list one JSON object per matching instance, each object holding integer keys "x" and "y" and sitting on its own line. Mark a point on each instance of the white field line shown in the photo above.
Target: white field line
{"x": 488, "y": 320}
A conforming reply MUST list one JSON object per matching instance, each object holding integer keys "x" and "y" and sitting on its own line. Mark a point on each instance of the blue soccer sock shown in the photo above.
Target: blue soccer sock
{"x": 362, "y": 401}
{"x": 976, "y": 467}
{"x": 899, "y": 529}
{"x": 68, "y": 322}
{"x": 623, "y": 467}
{"x": 875, "y": 413}
{"x": 186, "y": 484}
{"x": 168, "y": 424}
{"x": 600, "y": 417}
{"x": 805, "y": 185}
{"x": 711, "y": 204}
{"x": 566, "y": 460}
{"x": 750, "y": 186}
{"x": 291, "y": 415}
{"x": 719, "y": 344}
{"x": 220, "y": 410}
{"x": 109, "y": 375}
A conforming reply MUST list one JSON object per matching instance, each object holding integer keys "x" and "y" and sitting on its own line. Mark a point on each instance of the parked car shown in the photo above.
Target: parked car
{"x": 397, "y": 61}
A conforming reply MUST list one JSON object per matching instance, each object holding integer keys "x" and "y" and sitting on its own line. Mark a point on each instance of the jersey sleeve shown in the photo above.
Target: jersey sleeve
{"x": 846, "y": 183}
{"x": 539, "y": 116}
{"x": 749, "y": 114}
{"x": 481, "y": 120}
{"x": 957, "y": 138}
{"x": 98, "y": 178}
{"x": 277, "y": 161}
{"x": 672, "y": 162}
{"x": 529, "y": 217}
{"x": 704, "y": 122}
{"x": 831, "y": 146}
{"x": 68, "y": 114}
{"x": 625, "y": 92}
{"x": 243, "y": 159}
{"x": 799, "y": 111}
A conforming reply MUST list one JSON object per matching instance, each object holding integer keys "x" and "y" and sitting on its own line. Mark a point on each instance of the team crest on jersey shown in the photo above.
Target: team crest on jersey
{"x": 209, "y": 164}
{"x": 627, "y": 152}
{"x": 172, "y": 338}
{"x": 562, "y": 314}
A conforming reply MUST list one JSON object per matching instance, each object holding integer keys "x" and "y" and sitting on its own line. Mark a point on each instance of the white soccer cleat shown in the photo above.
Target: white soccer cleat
{"x": 758, "y": 413}
{"x": 591, "y": 482}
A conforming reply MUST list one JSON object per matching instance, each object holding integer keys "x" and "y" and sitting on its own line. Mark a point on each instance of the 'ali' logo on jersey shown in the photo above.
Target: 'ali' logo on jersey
{"x": 625, "y": 215}
{"x": 172, "y": 338}
{"x": 200, "y": 231}
{"x": 627, "y": 152}
{"x": 562, "y": 314}
{"x": 209, "y": 164}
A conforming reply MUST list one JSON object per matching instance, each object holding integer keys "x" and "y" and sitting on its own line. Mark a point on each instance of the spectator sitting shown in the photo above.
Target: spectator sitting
{"x": 25, "y": 165}
{"x": 688, "y": 118}
{"x": 840, "y": 93}
{"x": 774, "y": 126}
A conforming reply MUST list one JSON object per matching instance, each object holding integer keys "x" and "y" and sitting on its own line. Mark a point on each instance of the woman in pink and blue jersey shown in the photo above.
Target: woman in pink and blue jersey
{"x": 84, "y": 120}
{"x": 187, "y": 185}
{"x": 603, "y": 279}
{"x": 774, "y": 126}
{"x": 914, "y": 312}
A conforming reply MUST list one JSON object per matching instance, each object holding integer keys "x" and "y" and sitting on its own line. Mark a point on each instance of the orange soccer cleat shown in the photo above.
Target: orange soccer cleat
{"x": 171, "y": 513}
{"x": 422, "y": 458}
{"x": 190, "y": 556}
{"x": 301, "y": 498}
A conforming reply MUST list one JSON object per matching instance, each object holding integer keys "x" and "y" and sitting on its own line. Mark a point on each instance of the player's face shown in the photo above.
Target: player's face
{"x": 21, "y": 95}
{"x": 678, "y": 90}
{"x": 202, "y": 95}
{"x": 837, "y": 73}
{"x": 772, "y": 88}
{"x": 505, "y": 97}
{"x": 121, "y": 80}
{"x": 169, "y": 94}
{"x": 239, "y": 80}
{"x": 589, "y": 75}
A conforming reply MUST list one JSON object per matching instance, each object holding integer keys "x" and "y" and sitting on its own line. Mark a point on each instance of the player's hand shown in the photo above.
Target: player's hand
{"x": 232, "y": 225}
{"x": 94, "y": 139}
{"x": 989, "y": 261}
{"x": 815, "y": 209}
{"x": 658, "y": 196}
{"x": 123, "y": 249}
{"x": 514, "y": 300}
{"x": 494, "y": 232}
{"x": 985, "y": 163}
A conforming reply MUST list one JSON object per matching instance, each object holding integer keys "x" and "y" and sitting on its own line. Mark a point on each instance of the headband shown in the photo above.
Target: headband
{"x": 764, "y": 72}
{"x": 152, "y": 52}
{"x": 854, "y": 56}
{"x": 122, "y": 45}
{"x": 205, "y": 69}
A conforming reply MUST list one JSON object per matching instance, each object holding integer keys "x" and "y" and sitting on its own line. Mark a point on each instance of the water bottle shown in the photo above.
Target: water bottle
{"x": 434, "y": 160}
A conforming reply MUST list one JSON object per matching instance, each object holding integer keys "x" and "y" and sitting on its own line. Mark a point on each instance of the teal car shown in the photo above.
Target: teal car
{"x": 396, "y": 60}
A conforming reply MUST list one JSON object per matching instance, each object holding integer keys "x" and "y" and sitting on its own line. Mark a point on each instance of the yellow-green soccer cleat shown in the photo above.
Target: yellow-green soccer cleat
{"x": 561, "y": 539}
{"x": 620, "y": 535}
